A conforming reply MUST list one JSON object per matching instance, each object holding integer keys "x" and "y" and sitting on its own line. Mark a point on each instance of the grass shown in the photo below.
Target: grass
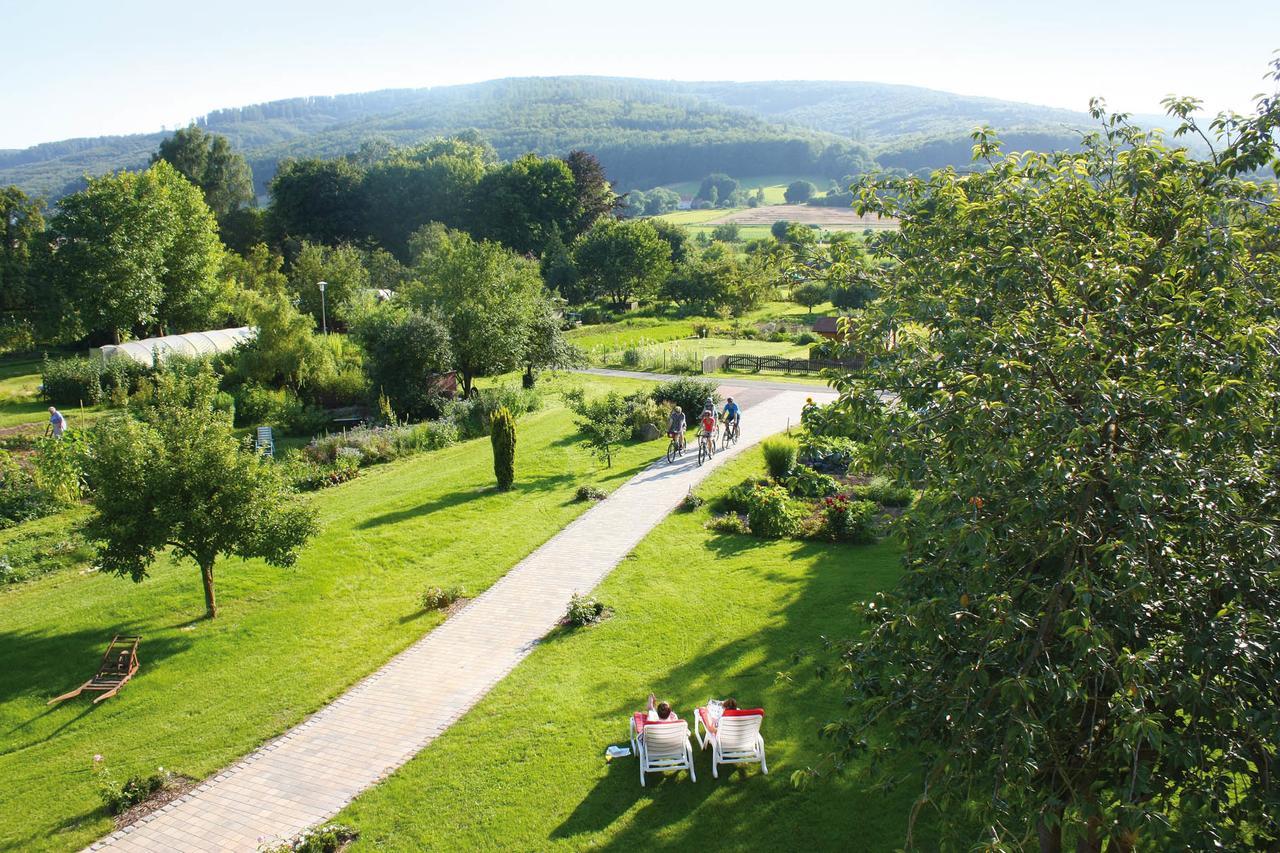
{"x": 687, "y": 353}
{"x": 696, "y": 615}
{"x": 631, "y": 330}
{"x": 20, "y": 402}
{"x": 286, "y": 641}
{"x": 774, "y": 186}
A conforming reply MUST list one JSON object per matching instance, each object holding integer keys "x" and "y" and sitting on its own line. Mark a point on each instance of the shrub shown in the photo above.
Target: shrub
{"x": 691, "y": 501}
{"x": 830, "y": 421}
{"x": 119, "y": 797}
{"x": 631, "y": 357}
{"x": 430, "y": 435}
{"x": 376, "y": 445}
{"x": 71, "y": 381}
{"x": 603, "y": 421}
{"x": 846, "y": 520}
{"x": 728, "y": 523}
{"x": 474, "y": 416}
{"x": 806, "y": 338}
{"x": 60, "y": 466}
{"x": 436, "y": 598}
{"x": 771, "y": 512}
{"x": 589, "y": 493}
{"x": 20, "y": 498}
{"x": 884, "y": 492}
{"x": 808, "y": 483}
{"x": 584, "y": 610}
{"x": 346, "y": 387}
{"x": 645, "y": 411}
{"x": 780, "y": 455}
{"x": 320, "y": 839}
{"x": 830, "y": 455}
{"x": 689, "y": 394}
{"x": 503, "y": 438}
{"x": 735, "y": 499}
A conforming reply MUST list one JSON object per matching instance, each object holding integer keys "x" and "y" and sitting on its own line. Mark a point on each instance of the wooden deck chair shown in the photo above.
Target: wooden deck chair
{"x": 736, "y": 739}
{"x": 264, "y": 442}
{"x": 661, "y": 745}
{"x": 118, "y": 665}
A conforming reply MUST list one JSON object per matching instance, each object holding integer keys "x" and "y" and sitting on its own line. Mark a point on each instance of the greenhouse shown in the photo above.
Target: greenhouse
{"x": 149, "y": 350}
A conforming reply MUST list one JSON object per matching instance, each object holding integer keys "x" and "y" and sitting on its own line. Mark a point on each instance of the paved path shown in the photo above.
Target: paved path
{"x": 312, "y": 771}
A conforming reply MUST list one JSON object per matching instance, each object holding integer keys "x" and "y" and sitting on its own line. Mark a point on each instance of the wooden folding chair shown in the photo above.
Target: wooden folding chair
{"x": 118, "y": 665}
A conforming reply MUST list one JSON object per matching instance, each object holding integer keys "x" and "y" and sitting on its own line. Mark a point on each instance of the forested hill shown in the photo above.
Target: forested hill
{"x": 646, "y": 132}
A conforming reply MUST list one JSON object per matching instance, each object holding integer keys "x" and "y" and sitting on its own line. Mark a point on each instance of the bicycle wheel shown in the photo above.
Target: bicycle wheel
{"x": 702, "y": 451}
{"x": 672, "y": 450}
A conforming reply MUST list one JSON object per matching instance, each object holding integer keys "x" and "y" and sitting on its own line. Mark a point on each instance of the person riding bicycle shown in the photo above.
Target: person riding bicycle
{"x": 707, "y": 424}
{"x": 676, "y": 427}
{"x": 732, "y": 414}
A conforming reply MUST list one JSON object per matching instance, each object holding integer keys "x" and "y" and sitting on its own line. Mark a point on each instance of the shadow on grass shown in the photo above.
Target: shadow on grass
{"x": 464, "y": 496}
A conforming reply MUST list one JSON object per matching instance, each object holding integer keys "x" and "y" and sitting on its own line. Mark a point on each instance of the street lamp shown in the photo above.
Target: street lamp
{"x": 324, "y": 321}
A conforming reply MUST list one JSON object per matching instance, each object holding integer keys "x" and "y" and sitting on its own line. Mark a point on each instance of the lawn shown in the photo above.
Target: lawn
{"x": 687, "y": 353}
{"x": 696, "y": 615}
{"x": 20, "y": 402}
{"x": 286, "y": 641}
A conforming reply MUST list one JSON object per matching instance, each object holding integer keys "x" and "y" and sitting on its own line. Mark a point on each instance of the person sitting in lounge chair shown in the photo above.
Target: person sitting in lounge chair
{"x": 660, "y": 711}
{"x": 712, "y": 718}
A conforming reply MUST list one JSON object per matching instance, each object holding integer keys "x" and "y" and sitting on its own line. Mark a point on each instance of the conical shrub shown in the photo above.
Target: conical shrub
{"x": 503, "y": 435}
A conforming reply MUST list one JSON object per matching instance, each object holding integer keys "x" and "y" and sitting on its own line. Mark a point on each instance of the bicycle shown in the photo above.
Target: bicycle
{"x": 729, "y": 432}
{"x": 675, "y": 448}
{"x": 706, "y": 446}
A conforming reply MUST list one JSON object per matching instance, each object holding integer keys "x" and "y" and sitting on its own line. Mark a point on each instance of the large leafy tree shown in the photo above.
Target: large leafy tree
{"x": 177, "y": 477}
{"x": 208, "y": 161}
{"x": 405, "y": 351}
{"x": 21, "y": 230}
{"x": 596, "y": 197}
{"x": 1076, "y": 356}
{"x": 344, "y": 273}
{"x": 320, "y": 201}
{"x": 193, "y": 289}
{"x": 488, "y": 295}
{"x": 623, "y": 260}
{"x": 521, "y": 204}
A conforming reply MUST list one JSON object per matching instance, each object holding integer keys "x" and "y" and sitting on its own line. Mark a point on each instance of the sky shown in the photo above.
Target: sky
{"x": 76, "y": 68}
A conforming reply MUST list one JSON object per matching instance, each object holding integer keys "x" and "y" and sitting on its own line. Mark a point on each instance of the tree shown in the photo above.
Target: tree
{"x": 343, "y": 271}
{"x": 809, "y": 294}
{"x": 559, "y": 272}
{"x": 192, "y": 286}
{"x": 779, "y": 230}
{"x": 622, "y": 259}
{"x": 798, "y": 192}
{"x": 1074, "y": 354}
{"x": 726, "y": 233}
{"x": 716, "y": 187}
{"x": 488, "y": 296}
{"x": 285, "y": 349}
{"x": 520, "y": 204}
{"x": 502, "y": 435}
{"x": 179, "y": 478}
{"x": 319, "y": 201}
{"x": 405, "y": 352}
{"x": 675, "y": 236}
{"x": 208, "y": 161}
{"x": 603, "y": 422}
{"x": 21, "y": 230}
{"x": 595, "y": 196}
{"x": 547, "y": 348}
{"x": 660, "y": 200}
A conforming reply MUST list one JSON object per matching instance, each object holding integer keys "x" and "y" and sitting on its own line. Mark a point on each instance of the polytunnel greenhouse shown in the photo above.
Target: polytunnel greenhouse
{"x": 149, "y": 350}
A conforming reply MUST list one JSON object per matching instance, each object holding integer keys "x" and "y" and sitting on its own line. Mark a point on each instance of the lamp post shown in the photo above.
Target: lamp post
{"x": 324, "y": 320}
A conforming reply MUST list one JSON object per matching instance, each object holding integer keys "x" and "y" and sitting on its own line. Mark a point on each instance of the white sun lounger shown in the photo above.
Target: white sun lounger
{"x": 661, "y": 745}
{"x": 736, "y": 739}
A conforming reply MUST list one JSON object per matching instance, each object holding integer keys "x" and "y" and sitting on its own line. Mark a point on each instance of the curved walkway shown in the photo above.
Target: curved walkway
{"x": 312, "y": 771}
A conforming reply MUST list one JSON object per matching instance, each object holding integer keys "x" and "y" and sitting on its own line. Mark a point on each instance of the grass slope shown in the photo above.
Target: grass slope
{"x": 698, "y": 615}
{"x": 286, "y": 641}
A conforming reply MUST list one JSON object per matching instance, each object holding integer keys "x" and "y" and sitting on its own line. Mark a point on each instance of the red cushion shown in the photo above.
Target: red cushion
{"x": 740, "y": 712}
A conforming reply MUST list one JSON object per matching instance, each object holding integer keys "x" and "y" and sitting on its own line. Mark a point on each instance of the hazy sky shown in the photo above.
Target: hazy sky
{"x": 76, "y": 68}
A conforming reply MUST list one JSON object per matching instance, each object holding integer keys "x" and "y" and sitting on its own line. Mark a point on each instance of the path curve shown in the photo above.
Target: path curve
{"x": 311, "y": 772}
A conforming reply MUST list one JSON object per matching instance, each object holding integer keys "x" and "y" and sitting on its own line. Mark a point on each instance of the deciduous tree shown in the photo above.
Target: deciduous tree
{"x": 624, "y": 260}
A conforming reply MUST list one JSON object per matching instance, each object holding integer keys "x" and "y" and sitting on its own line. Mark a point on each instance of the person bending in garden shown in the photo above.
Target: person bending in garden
{"x": 57, "y": 422}
{"x": 676, "y": 426}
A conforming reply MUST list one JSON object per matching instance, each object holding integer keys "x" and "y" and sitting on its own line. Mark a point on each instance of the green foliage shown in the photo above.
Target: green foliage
{"x": 689, "y": 394}
{"x": 521, "y": 204}
{"x": 1079, "y": 353}
{"x": 780, "y": 454}
{"x": 21, "y": 250}
{"x": 502, "y": 434}
{"x": 328, "y": 838}
{"x": 624, "y": 260}
{"x": 603, "y": 422}
{"x": 120, "y": 796}
{"x": 729, "y": 232}
{"x": 589, "y": 493}
{"x": 285, "y": 350}
{"x": 804, "y": 482}
{"x": 474, "y": 416}
{"x": 691, "y": 501}
{"x": 21, "y": 499}
{"x": 644, "y": 411}
{"x": 771, "y": 512}
{"x": 60, "y": 466}
{"x": 845, "y": 520}
{"x": 809, "y": 294}
{"x": 181, "y": 479}
{"x": 405, "y": 354}
{"x": 584, "y": 610}
{"x": 341, "y": 268}
{"x": 734, "y": 499}
{"x": 829, "y": 455}
{"x": 882, "y": 490}
{"x": 208, "y": 162}
{"x": 438, "y": 598}
{"x": 730, "y": 522}
{"x": 798, "y": 192}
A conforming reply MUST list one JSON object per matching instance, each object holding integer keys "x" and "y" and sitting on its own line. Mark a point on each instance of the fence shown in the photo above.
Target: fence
{"x": 758, "y": 363}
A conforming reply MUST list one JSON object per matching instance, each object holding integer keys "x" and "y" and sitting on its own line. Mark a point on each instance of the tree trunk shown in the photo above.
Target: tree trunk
{"x": 1050, "y": 832}
{"x": 1091, "y": 840}
{"x": 528, "y": 376}
{"x": 210, "y": 603}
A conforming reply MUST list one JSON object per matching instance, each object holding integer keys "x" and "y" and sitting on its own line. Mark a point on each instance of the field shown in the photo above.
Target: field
{"x": 833, "y": 218}
{"x": 696, "y": 615}
{"x": 774, "y": 186}
{"x": 286, "y": 640}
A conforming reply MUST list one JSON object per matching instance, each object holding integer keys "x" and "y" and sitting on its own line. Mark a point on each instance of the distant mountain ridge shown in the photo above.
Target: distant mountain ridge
{"x": 644, "y": 131}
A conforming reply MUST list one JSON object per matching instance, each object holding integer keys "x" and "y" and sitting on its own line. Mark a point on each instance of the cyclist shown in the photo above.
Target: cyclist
{"x": 732, "y": 414}
{"x": 707, "y": 424}
{"x": 676, "y": 427}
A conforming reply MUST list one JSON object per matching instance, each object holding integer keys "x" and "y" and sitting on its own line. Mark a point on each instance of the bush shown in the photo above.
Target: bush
{"x": 735, "y": 499}
{"x": 631, "y": 357}
{"x": 435, "y": 598}
{"x": 347, "y": 387}
{"x": 119, "y": 797}
{"x": 884, "y": 492}
{"x": 375, "y": 444}
{"x": 321, "y": 839}
{"x": 728, "y": 523}
{"x": 806, "y": 338}
{"x": 503, "y": 438}
{"x": 830, "y": 455}
{"x": 474, "y": 416}
{"x": 589, "y": 493}
{"x": 583, "y": 610}
{"x": 689, "y": 394}
{"x": 645, "y": 411}
{"x": 430, "y": 435}
{"x": 807, "y": 483}
{"x": 691, "y": 501}
{"x": 71, "y": 381}
{"x": 780, "y": 455}
{"x": 771, "y": 513}
{"x": 846, "y": 520}
{"x": 20, "y": 498}
{"x": 60, "y": 466}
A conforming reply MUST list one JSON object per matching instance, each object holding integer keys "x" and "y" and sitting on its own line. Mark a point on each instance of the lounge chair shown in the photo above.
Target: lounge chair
{"x": 118, "y": 665}
{"x": 661, "y": 745}
{"x": 735, "y": 739}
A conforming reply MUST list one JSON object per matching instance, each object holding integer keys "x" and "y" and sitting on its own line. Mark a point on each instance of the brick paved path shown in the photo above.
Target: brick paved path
{"x": 312, "y": 771}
